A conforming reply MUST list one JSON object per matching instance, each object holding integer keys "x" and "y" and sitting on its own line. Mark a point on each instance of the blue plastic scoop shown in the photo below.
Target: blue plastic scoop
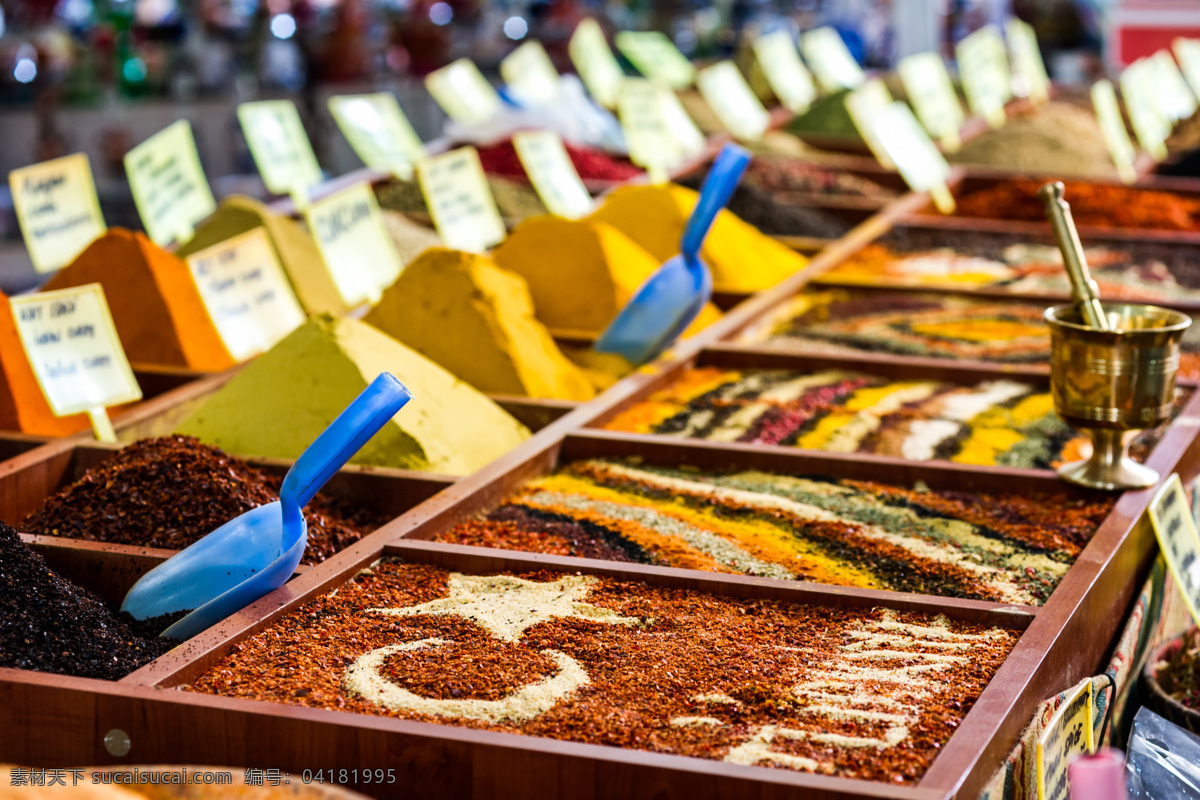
{"x": 257, "y": 552}
{"x": 667, "y": 302}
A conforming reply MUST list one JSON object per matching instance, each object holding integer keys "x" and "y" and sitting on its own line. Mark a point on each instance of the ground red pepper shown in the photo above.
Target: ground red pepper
{"x": 501, "y": 159}
{"x": 1100, "y": 205}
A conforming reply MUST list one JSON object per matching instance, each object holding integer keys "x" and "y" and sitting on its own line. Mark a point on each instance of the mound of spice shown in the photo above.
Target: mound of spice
{"x": 759, "y": 208}
{"x": 872, "y": 695}
{"x": 514, "y": 199}
{"x": 1005, "y": 547}
{"x": 1094, "y": 204}
{"x": 827, "y": 116}
{"x": 1058, "y": 138}
{"x": 776, "y": 174}
{"x": 49, "y": 624}
{"x": 1179, "y": 675}
{"x": 171, "y": 491}
{"x": 501, "y": 159}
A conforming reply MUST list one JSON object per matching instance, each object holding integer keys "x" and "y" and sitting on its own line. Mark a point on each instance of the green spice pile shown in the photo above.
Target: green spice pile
{"x": 171, "y": 491}
{"x": 827, "y": 117}
{"x": 49, "y": 624}
{"x": 1058, "y": 138}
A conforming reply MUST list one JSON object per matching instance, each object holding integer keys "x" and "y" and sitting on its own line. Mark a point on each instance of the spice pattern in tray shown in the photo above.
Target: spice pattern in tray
{"x": 1140, "y": 272}
{"x": 996, "y": 422}
{"x": 1007, "y": 547}
{"x": 870, "y": 695}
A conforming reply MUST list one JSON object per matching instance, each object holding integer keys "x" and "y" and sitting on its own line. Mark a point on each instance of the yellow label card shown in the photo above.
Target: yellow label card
{"x": 1187, "y": 52}
{"x": 378, "y": 131}
{"x": 830, "y": 60}
{"x": 460, "y": 201}
{"x": 733, "y": 101}
{"x": 530, "y": 74}
{"x": 463, "y": 93}
{"x": 246, "y": 293}
{"x": 864, "y": 104}
{"x": 1112, "y": 125}
{"x": 651, "y": 145}
{"x": 552, "y": 174}
{"x": 1149, "y": 125}
{"x": 355, "y": 244}
{"x": 983, "y": 67}
{"x": 280, "y": 147}
{"x": 657, "y": 57}
{"x": 1175, "y": 100}
{"x": 920, "y": 163}
{"x": 168, "y": 184}
{"x": 57, "y": 208}
{"x": 786, "y": 74}
{"x": 1179, "y": 541}
{"x": 595, "y": 63}
{"x": 929, "y": 88}
{"x": 1029, "y": 71}
{"x": 72, "y": 345}
{"x": 1068, "y": 734}
{"x": 680, "y": 125}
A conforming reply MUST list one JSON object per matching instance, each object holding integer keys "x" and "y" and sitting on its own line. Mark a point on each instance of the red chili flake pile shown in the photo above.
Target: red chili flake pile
{"x": 871, "y": 695}
{"x": 173, "y": 490}
{"x": 1179, "y": 676}
{"x": 501, "y": 159}
{"x": 1097, "y": 204}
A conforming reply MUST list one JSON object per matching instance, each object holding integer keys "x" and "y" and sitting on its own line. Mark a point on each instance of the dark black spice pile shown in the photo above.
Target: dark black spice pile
{"x": 170, "y": 491}
{"x": 757, "y": 207}
{"x": 49, "y": 624}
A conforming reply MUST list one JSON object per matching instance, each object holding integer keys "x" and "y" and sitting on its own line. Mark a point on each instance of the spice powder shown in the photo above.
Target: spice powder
{"x": 871, "y": 695}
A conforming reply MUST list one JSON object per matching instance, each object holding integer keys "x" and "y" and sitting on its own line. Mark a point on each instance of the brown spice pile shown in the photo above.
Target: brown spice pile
{"x": 870, "y": 695}
{"x": 171, "y": 491}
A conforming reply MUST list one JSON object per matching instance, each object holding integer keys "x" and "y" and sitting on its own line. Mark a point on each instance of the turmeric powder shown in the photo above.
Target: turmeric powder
{"x": 154, "y": 302}
{"x": 23, "y": 407}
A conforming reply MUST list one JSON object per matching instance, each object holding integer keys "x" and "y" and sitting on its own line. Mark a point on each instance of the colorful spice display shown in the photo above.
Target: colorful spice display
{"x": 501, "y": 159}
{"x": 870, "y": 695}
{"x": 997, "y": 422}
{"x": 23, "y": 407}
{"x": 1006, "y": 547}
{"x": 1094, "y": 204}
{"x": 1131, "y": 271}
{"x": 171, "y": 491}
{"x": 1179, "y": 675}
{"x": 49, "y": 624}
{"x": 1059, "y": 138}
{"x": 477, "y": 320}
{"x": 774, "y": 216}
{"x": 282, "y": 400}
{"x": 154, "y": 301}
{"x": 295, "y": 249}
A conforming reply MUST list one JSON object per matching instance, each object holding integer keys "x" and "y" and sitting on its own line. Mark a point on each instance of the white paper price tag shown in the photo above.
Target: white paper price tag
{"x": 929, "y": 88}
{"x": 463, "y": 93}
{"x": 354, "y": 242}
{"x": 1067, "y": 734}
{"x": 1187, "y": 52}
{"x": 680, "y": 125}
{"x": 657, "y": 57}
{"x": 920, "y": 163}
{"x": 530, "y": 74}
{"x": 1149, "y": 125}
{"x": 651, "y": 145}
{"x": 830, "y": 60}
{"x": 460, "y": 202}
{"x": 280, "y": 147}
{"x": 595, "y": 63}
{"x": 780, "y": 62}
{"x": 168, "y": 184}
{"x": 72, "y": 345}
{"x": 246, "y": 293}
{"x": 57, "y": 208}
{"x": 1175, "y": 100}
{"x": 864, "y": 104}
{"x": 552, "y": 174}
{"x": 1112, "y": 125}
{"x": 377, "y": 129}
{"x": 1179, "y": 541}
{"x": 983, "y": 67}
{"x": 1029, "y": 71}
{"x": 733, "y": 101}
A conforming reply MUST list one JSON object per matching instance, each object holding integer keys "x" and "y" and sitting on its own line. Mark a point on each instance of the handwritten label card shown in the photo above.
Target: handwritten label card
{"x": 651, "y": 145}
{"x": 460, "y": 202}
{"x": 680, "y": 125}
{"x": 983, "y": 66}
{"x": 168, "y": 184}
{"x": 280, "y": 147}
{"x": 1149, "y": 125}
{"x": 1187, "y": 52}
{"x": 920, "y": 163}
{"x": 57, "y": 208}
{"x": 463, "y": 93}
{"x": 1029, "y": 71}
{"x": 530, "y": 74}
{"x": 1175, "y": 100}
{"x": 789, "y": 79}
{"x": 863, "y": 104}
{"x": 1179, "y": 541}
{"x": 595, "y": 63}
{"x": 246, "y": 293}
{"x": 1068, "y": 734}
{"x": 929, "y": 88}
{"x": 733, "y": 101}
{"x": 72, "y": 345}
{"x": 552, "y": 174}
{"x": 657, "y": 57}
{"x": 1112, "y": 125}
{"x": 355, "y": 244}
{"x": 830, "y": 60}
{"x": 378, "y": 131}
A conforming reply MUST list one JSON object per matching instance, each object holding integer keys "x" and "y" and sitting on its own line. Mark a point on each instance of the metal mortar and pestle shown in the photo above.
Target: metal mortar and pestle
{"x": 1112, "y": 365}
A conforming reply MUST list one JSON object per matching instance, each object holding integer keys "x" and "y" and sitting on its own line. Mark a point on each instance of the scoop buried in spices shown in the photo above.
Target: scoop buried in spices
{"x": 667, "y": 302}
{"x": 255, "y": 553}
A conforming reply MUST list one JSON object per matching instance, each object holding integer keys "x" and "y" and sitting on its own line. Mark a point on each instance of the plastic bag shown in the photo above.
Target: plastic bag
{"x": 1163, "y": 759}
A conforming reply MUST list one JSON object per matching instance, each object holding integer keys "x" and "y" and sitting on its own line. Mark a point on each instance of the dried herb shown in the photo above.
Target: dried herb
{"x": 1179, "y": 676}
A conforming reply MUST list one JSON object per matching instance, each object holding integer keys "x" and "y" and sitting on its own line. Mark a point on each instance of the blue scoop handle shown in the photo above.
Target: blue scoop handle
{"x": 718, "y": 187}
